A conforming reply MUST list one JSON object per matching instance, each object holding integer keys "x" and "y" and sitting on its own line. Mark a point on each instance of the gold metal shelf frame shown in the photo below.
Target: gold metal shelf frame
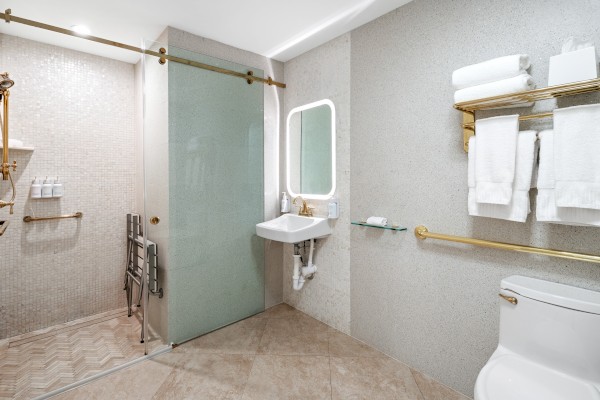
{"x": 249, "y": 76}
{"x": 423, "y": 233}
{"x": 568, "y": 89}
{"x": 29, "y": 218}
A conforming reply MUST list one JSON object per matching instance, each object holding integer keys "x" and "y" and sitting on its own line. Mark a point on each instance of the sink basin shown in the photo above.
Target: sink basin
{"x": 291, "y": 228}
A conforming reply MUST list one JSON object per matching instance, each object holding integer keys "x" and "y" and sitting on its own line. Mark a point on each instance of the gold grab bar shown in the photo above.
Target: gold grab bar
{"x": 249, "y": 76}
{"x": 29, "y": 218}
{"x": 423, "y": 233}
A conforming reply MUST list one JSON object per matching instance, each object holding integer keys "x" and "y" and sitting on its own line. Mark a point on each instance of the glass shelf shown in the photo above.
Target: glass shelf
{"x": 389, "y": 227}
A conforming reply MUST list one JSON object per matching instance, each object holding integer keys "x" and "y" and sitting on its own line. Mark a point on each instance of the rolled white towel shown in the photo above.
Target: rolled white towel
{"x": 378, "y": 221}
{"x": 490, "y": 71}
{"x": 519, "y": 83}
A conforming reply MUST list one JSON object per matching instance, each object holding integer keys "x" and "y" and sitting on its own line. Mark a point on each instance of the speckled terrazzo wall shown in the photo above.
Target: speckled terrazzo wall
{"x": 77, "y": 111}
{"x": 324, "y": 73}
{"x": 434, "y": 304}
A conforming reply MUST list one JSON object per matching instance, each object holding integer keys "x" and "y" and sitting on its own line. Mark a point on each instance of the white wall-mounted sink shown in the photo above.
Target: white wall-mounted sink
{"x": 291, "y": 228}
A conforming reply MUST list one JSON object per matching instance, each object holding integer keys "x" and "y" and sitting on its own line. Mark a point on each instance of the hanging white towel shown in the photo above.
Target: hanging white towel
{"x": 495, "y": 158}
{"x": 516, "y": 84}
{"x": 546, "y": 209}
{"x": 490, "y": 71}
{"x": 519, "y": 206}
{"x": 576, "y": 156}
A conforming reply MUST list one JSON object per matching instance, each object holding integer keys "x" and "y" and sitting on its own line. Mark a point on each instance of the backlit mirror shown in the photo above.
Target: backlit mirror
{"x": 310, "y": 150}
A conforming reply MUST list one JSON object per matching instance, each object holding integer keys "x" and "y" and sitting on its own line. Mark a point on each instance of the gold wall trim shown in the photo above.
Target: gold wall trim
{"x": 8, "y": 17}
{"x": 423, "y": 233}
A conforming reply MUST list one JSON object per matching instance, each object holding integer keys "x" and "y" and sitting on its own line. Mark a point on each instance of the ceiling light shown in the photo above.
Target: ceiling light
{"x": 81, "y": 29}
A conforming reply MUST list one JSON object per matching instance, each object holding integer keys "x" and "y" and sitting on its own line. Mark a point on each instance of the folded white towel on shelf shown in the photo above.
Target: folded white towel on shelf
{"x": 495, "y": 158}
{"x": 490, "y": 71}
{"x": 576, "y": 156}
{"x": 378, "y": 221}
{"x": 519, "y": 206}
{"x": 515, "y": 84}
{"x": 546, "y": 209}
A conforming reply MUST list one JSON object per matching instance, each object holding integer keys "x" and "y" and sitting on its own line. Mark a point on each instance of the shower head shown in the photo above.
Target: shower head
{"x": 5, "y": 81}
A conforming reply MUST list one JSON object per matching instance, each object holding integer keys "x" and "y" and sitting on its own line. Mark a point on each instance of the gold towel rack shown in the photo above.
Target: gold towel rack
{"x": 568, "y": 89}
{"x": 29, "y": 218}
{"x": 423, "y": 233}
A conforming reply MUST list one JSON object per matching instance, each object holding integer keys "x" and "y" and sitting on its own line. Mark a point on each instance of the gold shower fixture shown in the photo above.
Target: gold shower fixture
{"x": 5, "y": 84}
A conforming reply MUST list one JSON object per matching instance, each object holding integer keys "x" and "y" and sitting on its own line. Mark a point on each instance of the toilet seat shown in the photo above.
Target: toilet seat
{"x": 511, "y": 377}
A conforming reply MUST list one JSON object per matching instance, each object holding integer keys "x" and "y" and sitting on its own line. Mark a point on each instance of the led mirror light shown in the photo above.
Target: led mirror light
{"x": 310, "y": 151}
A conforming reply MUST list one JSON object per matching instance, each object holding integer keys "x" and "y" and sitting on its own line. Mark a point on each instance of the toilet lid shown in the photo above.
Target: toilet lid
{"x": 511, "y": 377}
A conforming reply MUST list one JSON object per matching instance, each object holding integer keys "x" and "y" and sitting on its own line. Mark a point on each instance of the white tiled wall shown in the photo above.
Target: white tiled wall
{"x": 77, "y": 111}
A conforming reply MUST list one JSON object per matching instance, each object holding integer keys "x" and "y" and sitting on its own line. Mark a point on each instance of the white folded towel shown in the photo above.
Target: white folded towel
{"x": 378, "y": 221}
{"x": 515, "y": 84}
{"x": 576, "y": 156}
{"x": 519, "y": 206}
{"x": 495, "y": 158}
{"x": 546, "y": 209}
{"x": 490, "y": 71}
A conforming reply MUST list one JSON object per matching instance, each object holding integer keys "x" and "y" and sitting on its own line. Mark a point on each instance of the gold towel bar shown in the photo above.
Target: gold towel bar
{"x": 423, "y": 233}
{"x": 29, "y": 218}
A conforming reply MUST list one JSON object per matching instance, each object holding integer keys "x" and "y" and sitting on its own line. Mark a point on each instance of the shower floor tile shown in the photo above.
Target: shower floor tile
{"x": 268, "y": 356}
{"x": 38, "y": 362}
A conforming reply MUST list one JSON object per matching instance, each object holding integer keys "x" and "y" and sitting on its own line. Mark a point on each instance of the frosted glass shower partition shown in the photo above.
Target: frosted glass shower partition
{"x": 203, "y": 162}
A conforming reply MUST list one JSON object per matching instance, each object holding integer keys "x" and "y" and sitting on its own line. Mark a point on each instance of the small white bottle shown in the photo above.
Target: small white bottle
{"x": 285, "y": 203}
{"x": 58, "y": 190}
{"x": 47, "y": 188}
{"x": 333, "y": 208}
{"x": 36, "y": 188}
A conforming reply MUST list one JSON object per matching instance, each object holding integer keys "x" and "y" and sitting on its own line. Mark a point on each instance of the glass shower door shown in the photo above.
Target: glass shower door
{"x": 204, "y": 179}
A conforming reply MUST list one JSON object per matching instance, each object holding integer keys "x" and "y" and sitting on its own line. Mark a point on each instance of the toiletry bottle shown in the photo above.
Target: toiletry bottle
{"x": 285, "y": 202}
{"x": 47, "y": 188}
{"x": 333, "y": 208}
{"x": 58, "y": 190}
{"x": 36, "y": 188}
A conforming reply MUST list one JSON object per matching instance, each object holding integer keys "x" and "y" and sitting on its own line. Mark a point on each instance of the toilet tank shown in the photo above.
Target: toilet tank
{"x": 552, "y": 324}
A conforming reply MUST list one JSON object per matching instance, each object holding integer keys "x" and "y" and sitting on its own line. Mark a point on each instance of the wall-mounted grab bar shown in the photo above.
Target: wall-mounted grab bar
{"x": 423, "y": 233}
{"x": 29, "y": 218}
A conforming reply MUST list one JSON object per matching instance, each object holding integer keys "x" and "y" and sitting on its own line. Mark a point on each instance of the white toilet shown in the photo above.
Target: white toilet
{"x": 549, "y": 344}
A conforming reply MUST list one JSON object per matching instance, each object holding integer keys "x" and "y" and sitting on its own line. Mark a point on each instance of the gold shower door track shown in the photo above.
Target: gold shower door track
{"x": 249, "y": 76}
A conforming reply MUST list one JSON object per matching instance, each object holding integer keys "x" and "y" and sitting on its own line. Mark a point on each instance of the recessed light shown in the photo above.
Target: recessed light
{"x": 81, "y": 29}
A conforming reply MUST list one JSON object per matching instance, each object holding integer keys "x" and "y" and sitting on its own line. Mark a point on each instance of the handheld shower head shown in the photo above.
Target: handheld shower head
{"x": 5, "y": 81}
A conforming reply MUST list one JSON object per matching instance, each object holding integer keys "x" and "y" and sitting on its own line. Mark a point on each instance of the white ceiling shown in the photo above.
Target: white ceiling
{"x": 279, "y": 29}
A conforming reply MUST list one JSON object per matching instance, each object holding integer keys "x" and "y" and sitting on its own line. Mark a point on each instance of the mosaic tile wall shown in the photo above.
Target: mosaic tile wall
{"x": 77, "y": 110}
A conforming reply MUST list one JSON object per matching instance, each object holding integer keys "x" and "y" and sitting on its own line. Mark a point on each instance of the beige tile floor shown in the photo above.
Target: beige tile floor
{"x": 279, "y": 354}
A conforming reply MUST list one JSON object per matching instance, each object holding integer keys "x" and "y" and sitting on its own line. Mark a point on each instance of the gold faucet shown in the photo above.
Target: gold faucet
{"x": 304, "y": 210}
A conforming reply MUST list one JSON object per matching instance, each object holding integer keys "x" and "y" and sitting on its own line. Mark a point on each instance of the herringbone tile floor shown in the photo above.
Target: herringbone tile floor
{"x": 39, "y": 362}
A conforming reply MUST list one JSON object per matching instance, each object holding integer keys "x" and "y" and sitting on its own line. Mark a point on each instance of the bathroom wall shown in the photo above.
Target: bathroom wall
{"x": 324, "y": 73}
{"x": 76, "y": 109}
{"x": 432, "y": 304}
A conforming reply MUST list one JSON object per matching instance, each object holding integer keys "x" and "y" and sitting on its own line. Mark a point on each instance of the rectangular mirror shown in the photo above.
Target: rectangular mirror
{"x": 310, "y": 150}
